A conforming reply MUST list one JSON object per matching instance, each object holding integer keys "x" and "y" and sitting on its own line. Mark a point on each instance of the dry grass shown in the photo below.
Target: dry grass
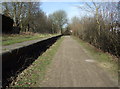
{"x": 8, "y": 39}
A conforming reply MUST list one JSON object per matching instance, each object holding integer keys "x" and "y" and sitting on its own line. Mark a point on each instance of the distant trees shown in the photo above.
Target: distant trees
{"x": 54, "y": 26}
{"x": 101, "y": 27}
{"x": 28, "y": 16}
{"x": 75, "y": 25}
{"x": 58, "y": 20}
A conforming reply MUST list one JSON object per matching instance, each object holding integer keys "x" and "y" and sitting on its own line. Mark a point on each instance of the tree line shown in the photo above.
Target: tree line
{"x": 100, "y": 27}
{"x": 30, "y": 17}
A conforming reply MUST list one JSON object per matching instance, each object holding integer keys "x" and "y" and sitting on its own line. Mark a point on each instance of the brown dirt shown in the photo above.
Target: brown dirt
{"x": 73, "y": 67}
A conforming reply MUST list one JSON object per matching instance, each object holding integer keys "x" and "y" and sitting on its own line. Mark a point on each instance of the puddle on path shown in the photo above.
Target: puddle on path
{"x": 90, "y": 60}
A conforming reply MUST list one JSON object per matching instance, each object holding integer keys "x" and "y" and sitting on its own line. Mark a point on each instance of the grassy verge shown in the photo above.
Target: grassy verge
{"x": 18, "y": 38}
{"x": 105, "y": 60}
{"x": 36, "y": 72}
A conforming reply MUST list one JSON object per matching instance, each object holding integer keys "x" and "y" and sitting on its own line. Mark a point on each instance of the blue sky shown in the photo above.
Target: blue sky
{"x": 69, "y": 7}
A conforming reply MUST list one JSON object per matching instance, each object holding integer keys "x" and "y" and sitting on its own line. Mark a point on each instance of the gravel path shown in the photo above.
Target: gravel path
{"x": 73, "y": 67}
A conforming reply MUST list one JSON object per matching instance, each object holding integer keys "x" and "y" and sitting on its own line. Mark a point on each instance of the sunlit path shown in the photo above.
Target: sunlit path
{"x": 73, "y": 67}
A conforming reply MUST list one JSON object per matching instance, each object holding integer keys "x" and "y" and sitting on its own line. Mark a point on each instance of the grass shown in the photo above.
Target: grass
{"x": 35, "y": 73}
{"x": 105, "y": 60}
{"x": 18, "y": 38}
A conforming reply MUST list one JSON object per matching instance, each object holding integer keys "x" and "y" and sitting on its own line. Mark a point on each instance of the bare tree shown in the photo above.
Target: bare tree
{"x": 75, "y": 25}
{"x": 99, "y": 27}
{"x": 23, "y": 13}
{"x": 60, "y": 19}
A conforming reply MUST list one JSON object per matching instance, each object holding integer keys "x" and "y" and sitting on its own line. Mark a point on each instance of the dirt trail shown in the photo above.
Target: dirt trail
{"x": 73, "y": 67}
